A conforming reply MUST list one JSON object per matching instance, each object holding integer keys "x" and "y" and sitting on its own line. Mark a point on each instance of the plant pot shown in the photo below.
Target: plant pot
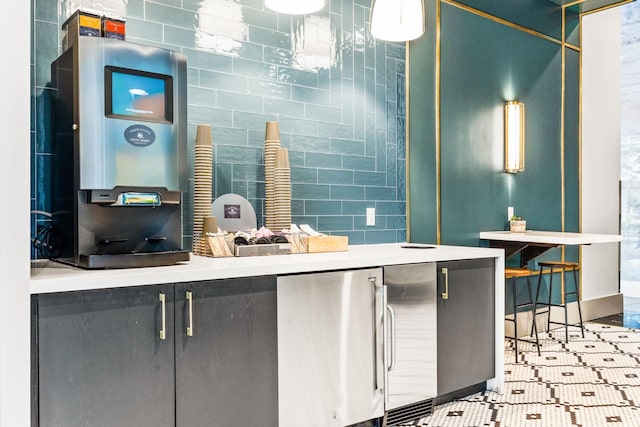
{"x": 518, "y": 226}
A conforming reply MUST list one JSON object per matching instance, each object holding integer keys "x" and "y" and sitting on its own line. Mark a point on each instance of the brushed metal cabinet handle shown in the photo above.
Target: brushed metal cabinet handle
{"x": 445, "y": 274}
{"x": 163, "y": 309}
{"x": 189, "y": 297}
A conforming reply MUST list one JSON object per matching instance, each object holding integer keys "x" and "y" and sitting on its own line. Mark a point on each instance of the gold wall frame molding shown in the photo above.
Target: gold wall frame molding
{"x": 599, "y": 9}
{"x": 407, "y": 168}
{"x": 504, "y": 21}
{"x": 563, "y": 101}
{"x": 438, "y": 130}
{"x": 572, "y": 47}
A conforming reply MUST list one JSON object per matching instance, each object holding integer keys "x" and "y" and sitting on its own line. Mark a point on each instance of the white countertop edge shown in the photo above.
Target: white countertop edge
{"x": 48, "y": 277}
{"x": 551, "y": 237}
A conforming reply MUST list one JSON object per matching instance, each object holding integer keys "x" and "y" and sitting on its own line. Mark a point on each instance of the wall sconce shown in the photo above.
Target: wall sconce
{"x": 513, "y": 137}
{"x": 397, "y": 20}
{"x": 295, "y": 7}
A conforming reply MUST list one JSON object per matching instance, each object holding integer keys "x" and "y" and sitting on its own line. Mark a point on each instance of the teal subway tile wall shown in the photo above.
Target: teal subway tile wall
{"x": 338, "y": 95}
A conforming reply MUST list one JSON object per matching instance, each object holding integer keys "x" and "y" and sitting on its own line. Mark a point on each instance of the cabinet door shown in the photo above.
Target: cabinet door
{"x": 227, "y": 363}
{"x": 101, "y": 360}
{"x": 466, "y": 324}
{"x": 330, "y": 351}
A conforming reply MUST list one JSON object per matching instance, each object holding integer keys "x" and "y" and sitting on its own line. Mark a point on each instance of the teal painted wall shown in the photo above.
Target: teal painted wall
{"x": 484, "y": 63}
{"x": 422, "y": 206}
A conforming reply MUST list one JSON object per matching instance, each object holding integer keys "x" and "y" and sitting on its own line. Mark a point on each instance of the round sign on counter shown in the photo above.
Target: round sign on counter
{"x": 234, "y": 213}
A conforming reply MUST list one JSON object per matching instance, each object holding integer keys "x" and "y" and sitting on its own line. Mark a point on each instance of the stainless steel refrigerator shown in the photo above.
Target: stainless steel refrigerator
{"x": 354, "y": 346}
{"x": 330, "y": 348}
{"x": 411, "y": 352}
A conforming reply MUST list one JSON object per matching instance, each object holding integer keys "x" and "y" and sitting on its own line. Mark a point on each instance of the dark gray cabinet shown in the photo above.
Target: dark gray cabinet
{"x": 104, "y": 361}
{"x": 226, "y": 353}
{"x": 466, "y": 324}
{"x": 101, "y": 361}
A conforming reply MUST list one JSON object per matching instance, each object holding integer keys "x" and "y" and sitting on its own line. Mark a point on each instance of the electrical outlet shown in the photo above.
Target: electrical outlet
{"x": 509, "y": 212}
{"x": 371, "y": 216}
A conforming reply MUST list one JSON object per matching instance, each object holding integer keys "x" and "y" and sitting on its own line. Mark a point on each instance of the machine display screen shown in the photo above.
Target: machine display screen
{"x": 138, "y": 95}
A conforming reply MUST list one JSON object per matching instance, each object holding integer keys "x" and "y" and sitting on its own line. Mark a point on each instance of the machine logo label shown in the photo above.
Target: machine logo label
{"x": 139, "y": 135}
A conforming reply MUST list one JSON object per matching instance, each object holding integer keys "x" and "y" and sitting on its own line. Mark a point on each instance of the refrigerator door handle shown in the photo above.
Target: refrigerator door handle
{"x": 392, "y": 338}
{"x": 385, "y": 343}
{"x": 378, "y": 292}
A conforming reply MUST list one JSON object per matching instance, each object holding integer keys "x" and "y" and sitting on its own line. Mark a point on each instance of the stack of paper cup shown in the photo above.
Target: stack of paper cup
{"x": 203, "y": 188}
{"x": 271, "y": 147}
{"x": 282, "y": 183}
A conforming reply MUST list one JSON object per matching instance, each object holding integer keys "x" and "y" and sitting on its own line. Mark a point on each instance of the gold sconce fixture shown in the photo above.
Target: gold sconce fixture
{"x": 295, "y": 7}
{"x": 397, "y": 20}
{"x": 513, "y": 137}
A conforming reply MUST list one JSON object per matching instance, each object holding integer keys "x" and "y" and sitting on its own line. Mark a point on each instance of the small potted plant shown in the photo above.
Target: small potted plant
{"x": 517, "y": 224}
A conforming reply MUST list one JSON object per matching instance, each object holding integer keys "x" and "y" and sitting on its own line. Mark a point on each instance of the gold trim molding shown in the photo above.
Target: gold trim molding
{"x": 502, "y": 21}
{"x": 600, "y": 9}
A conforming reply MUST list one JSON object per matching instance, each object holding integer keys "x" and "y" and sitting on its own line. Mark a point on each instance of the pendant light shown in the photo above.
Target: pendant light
{"x": 397, "y": 20}
{"x": 295, "y": 7}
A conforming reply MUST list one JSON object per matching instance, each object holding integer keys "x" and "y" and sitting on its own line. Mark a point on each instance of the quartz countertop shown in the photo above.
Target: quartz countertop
{"x": 48, "y": 276}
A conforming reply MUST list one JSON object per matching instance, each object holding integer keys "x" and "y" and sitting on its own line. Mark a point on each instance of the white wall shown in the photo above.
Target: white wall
{"x": 14, "y": 220}
{"x": 601, "y": 73}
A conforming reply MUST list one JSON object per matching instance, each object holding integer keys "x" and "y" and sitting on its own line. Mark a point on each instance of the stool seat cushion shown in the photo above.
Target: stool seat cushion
{"x": 559, "y": 264}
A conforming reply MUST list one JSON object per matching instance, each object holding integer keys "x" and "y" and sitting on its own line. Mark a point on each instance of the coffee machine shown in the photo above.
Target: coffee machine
{"x": 120, "y": 154}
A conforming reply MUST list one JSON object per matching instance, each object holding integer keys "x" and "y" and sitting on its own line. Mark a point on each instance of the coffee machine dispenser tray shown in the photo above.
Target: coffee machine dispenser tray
{"x": 138, "y": 199}
{"x": 122, "y": 228}
{"x": 145, "y": 197}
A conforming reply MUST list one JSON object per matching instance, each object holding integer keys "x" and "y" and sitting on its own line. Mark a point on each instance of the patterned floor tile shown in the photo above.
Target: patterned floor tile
{"x": 607, "y": 416}
{"x": 568, "y": 374}
{"x": 463, "y": 413}
{"x": 519, "y": 392}
{"x": 535, "y": 415}
{"x": 589, "y": 394}
{"x": 589, "y": 382}
{"x": 623, "y": 377}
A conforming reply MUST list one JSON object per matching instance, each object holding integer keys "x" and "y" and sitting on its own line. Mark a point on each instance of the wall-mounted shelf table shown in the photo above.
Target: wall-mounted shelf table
{"x": 532, "y": 243}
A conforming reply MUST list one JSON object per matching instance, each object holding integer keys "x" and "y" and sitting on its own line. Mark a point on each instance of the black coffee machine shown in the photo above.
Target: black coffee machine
{"x": 120, "y": 155}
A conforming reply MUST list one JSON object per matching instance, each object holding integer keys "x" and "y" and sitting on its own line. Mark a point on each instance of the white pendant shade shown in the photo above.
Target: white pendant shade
{"x": 397, "y": 20}
{"x": 295, "y": 7}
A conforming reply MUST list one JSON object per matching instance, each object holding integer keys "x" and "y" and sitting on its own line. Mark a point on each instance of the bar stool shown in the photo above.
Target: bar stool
{"x": 512, "y": 275}
{"x": 564, "y": 266}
